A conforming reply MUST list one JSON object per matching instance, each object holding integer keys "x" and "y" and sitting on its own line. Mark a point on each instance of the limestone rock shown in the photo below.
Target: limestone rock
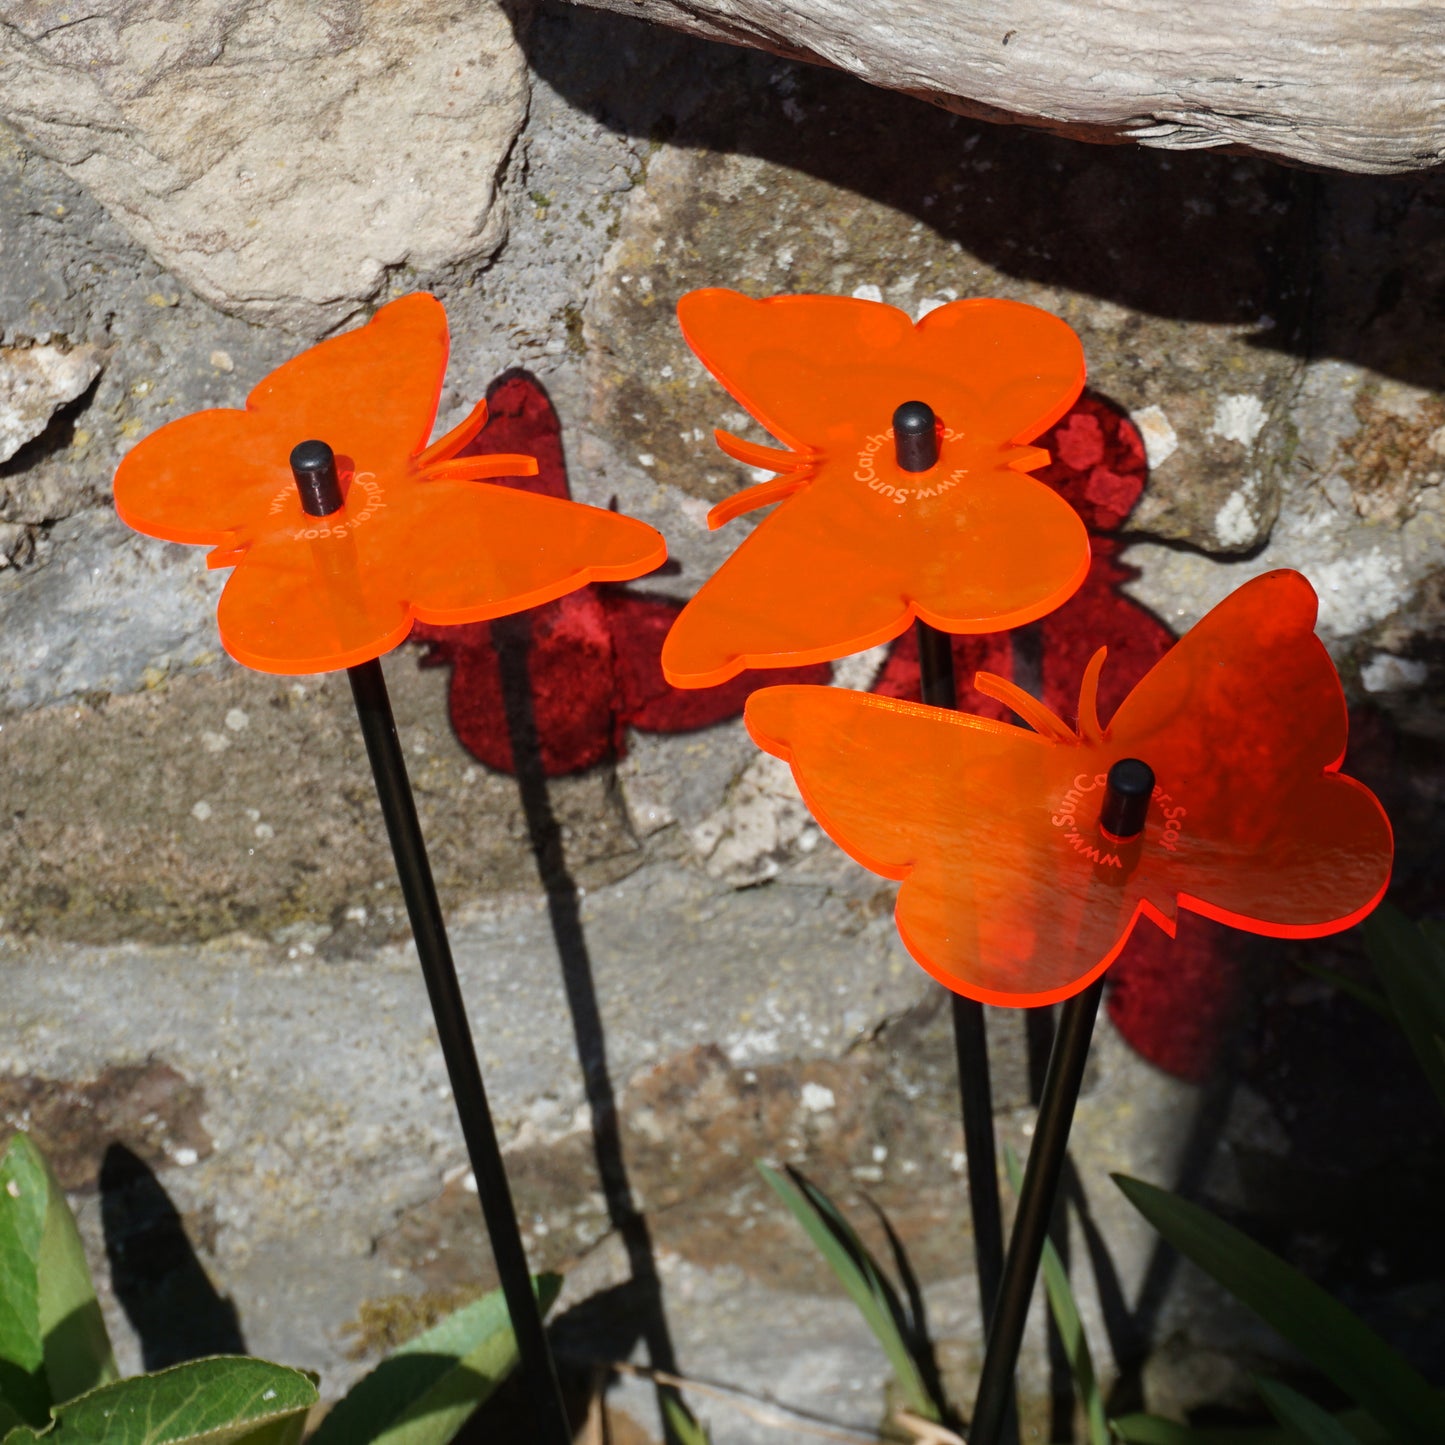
{"x": 278, "y": 158}
{"x": 1356, "y": 89}
{"x": 761, "y": 823}
{"x": 35, "y": 381}
{"x": 1361, "y": 510}
{"x": 111, "y": 611}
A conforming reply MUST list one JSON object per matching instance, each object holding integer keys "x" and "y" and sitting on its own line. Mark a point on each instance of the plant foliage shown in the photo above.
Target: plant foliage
{"x": 863, "y": 1279}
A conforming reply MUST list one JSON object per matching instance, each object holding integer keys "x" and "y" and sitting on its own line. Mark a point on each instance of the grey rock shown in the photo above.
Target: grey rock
{"x": 111, "y": 612}
{"x": 1361, "y": 514}
{"x": 221, "y": 134}
{"x": 35, "y": 381}
{"x": 1320, "y": 87}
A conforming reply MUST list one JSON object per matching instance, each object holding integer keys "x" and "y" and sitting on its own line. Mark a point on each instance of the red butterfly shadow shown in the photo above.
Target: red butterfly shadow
{"x": 593, "y": 660}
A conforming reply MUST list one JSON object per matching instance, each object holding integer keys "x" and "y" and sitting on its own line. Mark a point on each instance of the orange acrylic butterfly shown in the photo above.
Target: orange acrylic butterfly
{"x": 416, "y": 538}
{"x": 858, "y": 547}
{"x": 1012, "y": 894}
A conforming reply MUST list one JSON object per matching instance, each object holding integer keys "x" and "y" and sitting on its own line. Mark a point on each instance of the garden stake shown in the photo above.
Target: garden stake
{"x": 1129, "y": 787}
{"x": 314, "y": 467}
{"x": 1028, "y": 855}
{"x": 388, "y": 529}
{"x": 1036, "y": 1207}
{"x": 859, "y": 544}
{"x": 915, "y": 436}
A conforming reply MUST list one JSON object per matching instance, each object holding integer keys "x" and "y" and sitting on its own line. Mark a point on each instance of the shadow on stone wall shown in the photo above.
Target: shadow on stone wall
{"x": 1348, "y": 266}
{"x": 160, "y": 1283}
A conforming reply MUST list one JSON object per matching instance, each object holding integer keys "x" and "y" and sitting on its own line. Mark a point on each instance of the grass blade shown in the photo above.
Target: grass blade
{"x": 860, "y": 1276}
{"x": 1410, "y": 961}
{"x": 1312, "y": 1424}
{"x": 1154, "y": 1430}
{"x": 1335, "y": 1340}
{"x": 682, "y": 1424}
{"x": 423, "y": 1393}
{"x": 1065, "y": 1311}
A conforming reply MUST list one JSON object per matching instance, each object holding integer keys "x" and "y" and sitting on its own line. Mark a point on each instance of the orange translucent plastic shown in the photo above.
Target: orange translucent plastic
{"x": 859, "y": 547}
{"x": 1011, "y": 892}
{"x": 417, "y": 537}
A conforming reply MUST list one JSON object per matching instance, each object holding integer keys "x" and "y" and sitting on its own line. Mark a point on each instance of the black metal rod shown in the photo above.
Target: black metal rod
{"x": 939, "y": 689}
{"x": 1036, "y": 1206}
{"x": 975, "y": 1089}
{"x": 388, "y": 767}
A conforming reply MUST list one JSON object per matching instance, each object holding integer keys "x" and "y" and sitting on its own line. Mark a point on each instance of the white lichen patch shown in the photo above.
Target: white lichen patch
{"x": 1234, "y": 523}
{"x": 868, "y": 292}
{"x": 761, "y": 823}
{"x": 1385, "y": 672}
{"x": 1160, "y": 439}
{"x": 35, "y": 382}
{"x": 1239, "y": 417}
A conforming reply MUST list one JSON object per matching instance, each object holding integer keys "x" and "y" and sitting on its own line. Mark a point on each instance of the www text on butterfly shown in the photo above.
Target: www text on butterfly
{"x": 867, "y": 471}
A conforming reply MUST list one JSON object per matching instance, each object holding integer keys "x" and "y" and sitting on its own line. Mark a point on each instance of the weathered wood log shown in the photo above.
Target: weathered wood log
{"x": 1356, "y": 87}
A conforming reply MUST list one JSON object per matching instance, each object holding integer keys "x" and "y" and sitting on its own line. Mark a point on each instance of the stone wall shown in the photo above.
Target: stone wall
{"x": 203, "y": 945}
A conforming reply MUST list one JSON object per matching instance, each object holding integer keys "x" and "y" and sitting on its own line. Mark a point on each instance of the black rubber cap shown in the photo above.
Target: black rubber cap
{"x": 915, "y": 436}
{"x": 1126, "y": 798}
{"x": 313, "y": 464}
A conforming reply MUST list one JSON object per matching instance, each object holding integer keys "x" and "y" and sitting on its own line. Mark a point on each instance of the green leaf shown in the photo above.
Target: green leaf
{"x": 860, "y": 1276}
{"x": 219, "y": 1401}
{"x": 424, "y": 1392}
{"x": 1340, "y": 1345}
{"x": 682, "y": 1424}
{"x": 8, "y": 1420}
{"x": 78, "y": 1356}
{"x": 24, "y": 1194}
{"x": 1065, "y": 1311}
{"x": 1306, "y": 1419}
{"x": 1155, "y": 1430}
{"x": 1411, "y": 963}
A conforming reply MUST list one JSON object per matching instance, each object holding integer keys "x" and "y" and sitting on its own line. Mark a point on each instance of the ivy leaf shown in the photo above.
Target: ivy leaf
{"x": 24, "y": 1195}
{"x": 220, "y": 1401}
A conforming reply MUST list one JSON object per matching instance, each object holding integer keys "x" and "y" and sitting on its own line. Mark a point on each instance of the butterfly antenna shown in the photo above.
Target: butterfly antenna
{"x": 478, "y": 468}
{"x": 1041, "y": 719}
{"x": 1026, "y": 459}
{"x": 1089, "y": 727}
{"x": 751, "y": 498}
{"x": 768, "y": 459}
{"x": 448, "y": 446}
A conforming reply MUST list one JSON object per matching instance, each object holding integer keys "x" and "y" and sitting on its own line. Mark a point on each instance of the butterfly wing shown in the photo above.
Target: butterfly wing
{"x": 994, "y": 904}
{"x": 1244, "y": 724}
{"x": 810, "y": 367}
{"x": 450, "y": 552}
{"x": 846, "y": 562}
{"x": 371, "y": 394}
{"x": 1012, "y": 895}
